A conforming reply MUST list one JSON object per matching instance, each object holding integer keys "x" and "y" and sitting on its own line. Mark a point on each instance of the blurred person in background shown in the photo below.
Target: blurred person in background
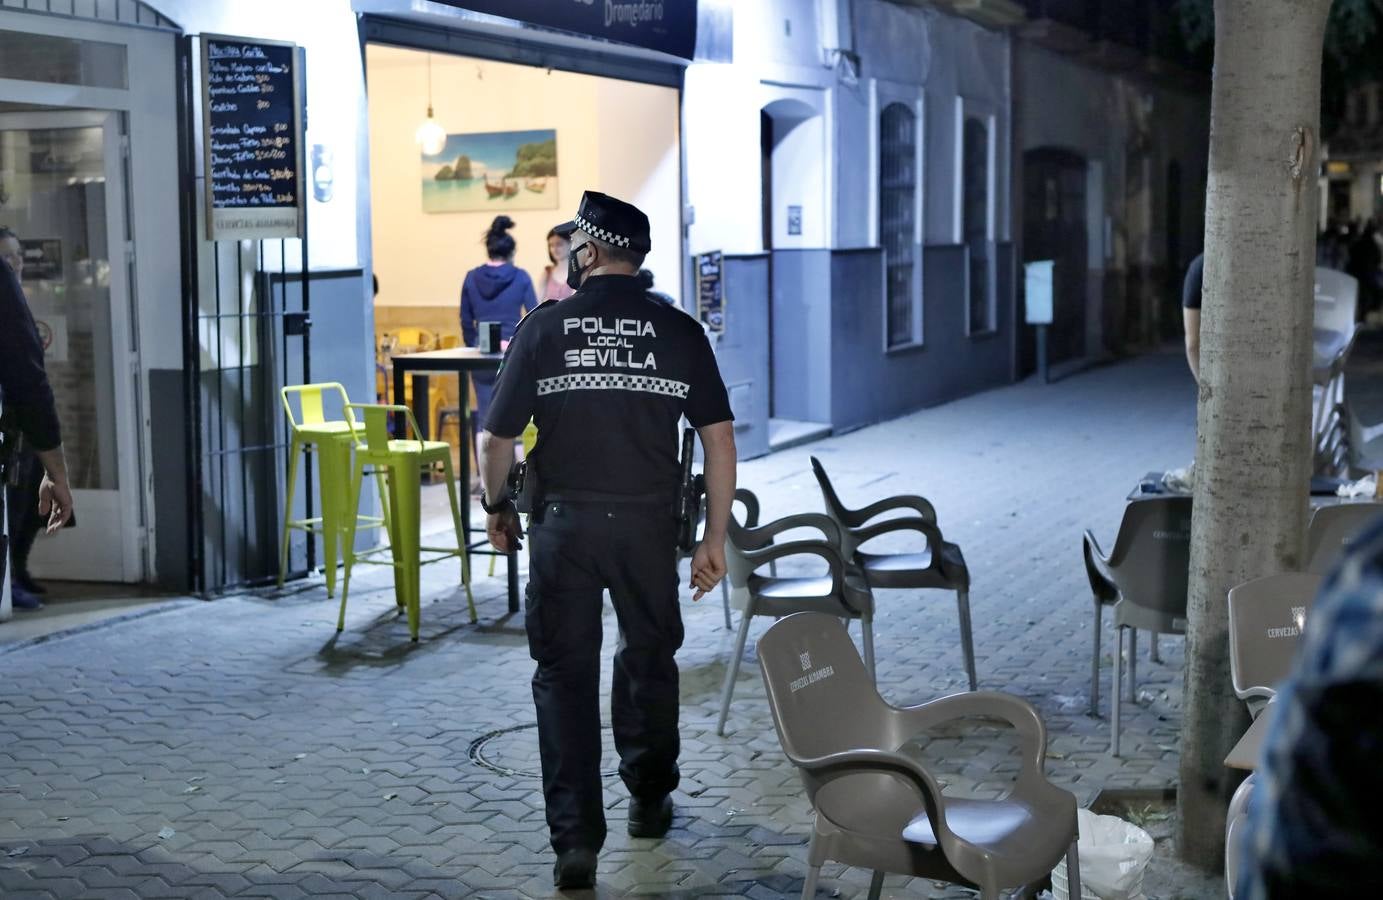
{"x": 497, "y": 291}
{"x": 31, "y": 455}
{"x": 555, "y": 285}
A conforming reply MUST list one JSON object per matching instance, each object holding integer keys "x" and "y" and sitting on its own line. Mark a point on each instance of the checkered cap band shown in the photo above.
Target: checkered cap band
{"x": 595, "y": 231}
{"x": 612, "y": 381}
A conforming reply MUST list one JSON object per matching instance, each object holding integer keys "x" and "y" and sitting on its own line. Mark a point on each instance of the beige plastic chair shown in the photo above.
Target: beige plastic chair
{"x": 938, "y": 565}
{"x": 840, "y": 592}
{"x": 1332, "y": 530}
{"x": 879, "y": 809}
{"x": 1265, "y": 631}
{"x": 1145, "y": 580}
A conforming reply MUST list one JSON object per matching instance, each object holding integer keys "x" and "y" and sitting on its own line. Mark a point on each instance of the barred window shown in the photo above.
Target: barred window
{"x": 897, "y": 228}
{"x": 975, "y": 199}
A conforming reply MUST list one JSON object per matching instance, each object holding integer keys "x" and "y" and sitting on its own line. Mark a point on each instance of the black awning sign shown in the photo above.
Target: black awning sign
{"x": 252, "y": 138}
{"x": 668, "y": 26}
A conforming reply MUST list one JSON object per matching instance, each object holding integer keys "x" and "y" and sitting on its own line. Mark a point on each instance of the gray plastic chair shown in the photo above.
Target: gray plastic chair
{"x": 1332, "y": 529}
{"x": 879, "y": 809}
{"x": 1145, "y": 580}
{"x": 938, "y": 565}
{"x": 1264, "y": 631}
{"x": 839, "y": 592}
{"x": 750, "y": 502}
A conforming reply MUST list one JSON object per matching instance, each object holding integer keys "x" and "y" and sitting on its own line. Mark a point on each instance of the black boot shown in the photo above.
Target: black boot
{"x": 650, "y": 818}
{"x": 574, "y": 869}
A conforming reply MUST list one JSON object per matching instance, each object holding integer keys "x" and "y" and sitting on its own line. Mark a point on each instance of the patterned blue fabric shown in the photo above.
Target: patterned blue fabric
{"x": 1315, "y": 822}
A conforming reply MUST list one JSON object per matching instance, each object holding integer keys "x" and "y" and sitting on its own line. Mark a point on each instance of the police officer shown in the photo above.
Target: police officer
{"x": 28, "y": 408}
{"x": 606, "y": 374}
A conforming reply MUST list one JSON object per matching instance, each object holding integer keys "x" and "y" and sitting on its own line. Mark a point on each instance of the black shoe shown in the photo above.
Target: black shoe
{"x": 650, "y": 818}
{"x": 22, "y": 599}
{"x": 26, "y": 581}
{"x": 574, "y": 869}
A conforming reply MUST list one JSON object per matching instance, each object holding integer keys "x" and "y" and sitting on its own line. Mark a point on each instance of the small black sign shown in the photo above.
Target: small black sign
{"x": 253, "y": 138}
{"x": 710, "y": 291}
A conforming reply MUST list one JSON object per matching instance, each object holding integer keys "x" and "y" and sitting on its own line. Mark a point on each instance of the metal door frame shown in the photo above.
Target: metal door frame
{"x": 145, "y": 115}
{"x": 124, "y": 358}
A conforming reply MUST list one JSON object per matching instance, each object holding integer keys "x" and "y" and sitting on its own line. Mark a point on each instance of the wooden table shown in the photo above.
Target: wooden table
{"x": 1245, "y": 753}
{"x": 460, "y": 362}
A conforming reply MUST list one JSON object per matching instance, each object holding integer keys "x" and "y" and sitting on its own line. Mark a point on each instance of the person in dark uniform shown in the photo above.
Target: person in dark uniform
{"x": 29, "y": 413}
{"x": 1191, "y": 313}
{"x": 606, "y": 375}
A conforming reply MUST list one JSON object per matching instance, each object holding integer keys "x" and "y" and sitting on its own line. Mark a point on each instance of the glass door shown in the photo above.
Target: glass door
{"x": 62, "y": 180}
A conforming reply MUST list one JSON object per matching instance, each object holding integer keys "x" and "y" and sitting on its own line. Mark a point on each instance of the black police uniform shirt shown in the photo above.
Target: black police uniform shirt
{"x": 606, "y": 375}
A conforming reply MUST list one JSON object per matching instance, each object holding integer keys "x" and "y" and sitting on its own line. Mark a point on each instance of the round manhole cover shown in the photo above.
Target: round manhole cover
{"x": 513, "y": 751}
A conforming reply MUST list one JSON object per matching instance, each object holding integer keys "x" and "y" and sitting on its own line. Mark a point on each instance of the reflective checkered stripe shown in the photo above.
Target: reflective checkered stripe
{"x": 599, "y": 233}
{"x": 611, "y": 381}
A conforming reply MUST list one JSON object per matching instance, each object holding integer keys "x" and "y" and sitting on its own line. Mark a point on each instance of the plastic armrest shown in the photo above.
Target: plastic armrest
{"x": 826, "y": 551}
{"x": 908, "y": 523}
{"x": 1097, "y": 567}
{"x": 854, "y": 762}
{"x": 763, "y": 535}
{"x": 1017, "y": 712}
{"x": 923, "y": 507}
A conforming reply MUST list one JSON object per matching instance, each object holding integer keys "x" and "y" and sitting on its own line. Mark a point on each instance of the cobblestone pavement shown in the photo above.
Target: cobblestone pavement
{"x": 240, "y": 748}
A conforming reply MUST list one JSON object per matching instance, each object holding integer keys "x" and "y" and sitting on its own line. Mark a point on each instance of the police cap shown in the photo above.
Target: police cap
{"x": 611, "y": 220}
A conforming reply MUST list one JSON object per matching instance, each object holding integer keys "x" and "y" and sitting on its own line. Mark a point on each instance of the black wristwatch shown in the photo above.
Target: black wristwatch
{"x": 499, "y": 507}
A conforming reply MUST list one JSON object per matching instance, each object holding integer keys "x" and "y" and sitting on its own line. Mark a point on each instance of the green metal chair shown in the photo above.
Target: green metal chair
{"x": 312, "y": 432}
{"x": 402, "y": 462}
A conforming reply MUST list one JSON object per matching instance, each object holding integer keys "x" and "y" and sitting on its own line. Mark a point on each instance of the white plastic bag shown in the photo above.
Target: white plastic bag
{"x": 1113, "y": 855}
{"x": 1364, "y": 487}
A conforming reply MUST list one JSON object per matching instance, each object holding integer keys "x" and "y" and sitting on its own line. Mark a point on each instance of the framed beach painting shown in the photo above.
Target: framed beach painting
{"x": 492, "y": 172}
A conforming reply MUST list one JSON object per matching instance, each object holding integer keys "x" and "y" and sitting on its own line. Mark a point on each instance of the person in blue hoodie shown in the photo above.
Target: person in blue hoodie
{"x": 498, "y": 291}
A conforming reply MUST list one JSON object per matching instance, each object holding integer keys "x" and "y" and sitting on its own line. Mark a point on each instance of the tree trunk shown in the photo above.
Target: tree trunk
{"x": 1253, "y": 452}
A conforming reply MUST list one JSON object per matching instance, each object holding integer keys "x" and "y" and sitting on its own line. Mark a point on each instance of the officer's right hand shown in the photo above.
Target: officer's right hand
{"x": 708, "y": 567}
{"x": 54, "y": 503}
{"x": 504, "y": 530}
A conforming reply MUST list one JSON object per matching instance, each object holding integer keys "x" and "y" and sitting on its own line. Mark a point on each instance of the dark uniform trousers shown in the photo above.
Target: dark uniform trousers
{"x": 22, "y": 509}
{"x": 577, "y": 549}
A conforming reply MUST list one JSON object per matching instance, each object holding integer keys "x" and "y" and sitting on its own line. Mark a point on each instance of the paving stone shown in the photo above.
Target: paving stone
{"x": 290, "y": 762}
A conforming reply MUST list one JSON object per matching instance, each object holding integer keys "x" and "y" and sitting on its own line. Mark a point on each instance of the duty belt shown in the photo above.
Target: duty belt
{"x": 574, "y": 496}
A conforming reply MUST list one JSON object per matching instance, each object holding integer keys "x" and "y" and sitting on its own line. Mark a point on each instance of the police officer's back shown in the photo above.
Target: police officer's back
{"x": 606, "y": 375}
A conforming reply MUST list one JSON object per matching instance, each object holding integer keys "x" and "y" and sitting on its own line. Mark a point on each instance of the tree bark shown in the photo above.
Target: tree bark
{"x": 1253, "y": 451}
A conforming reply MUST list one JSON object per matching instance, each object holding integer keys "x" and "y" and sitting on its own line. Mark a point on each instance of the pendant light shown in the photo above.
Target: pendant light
{"x": 431, "y": 137}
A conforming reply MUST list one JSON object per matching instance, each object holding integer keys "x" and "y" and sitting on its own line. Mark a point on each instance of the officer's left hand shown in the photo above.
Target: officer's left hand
{"x": 504, "y": 530}
{"x": 708, "y": 567}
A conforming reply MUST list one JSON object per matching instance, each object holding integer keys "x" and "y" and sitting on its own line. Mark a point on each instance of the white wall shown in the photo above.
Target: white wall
{"x": 613, "y": 136}
{"x": 777, "y": 56}
{"x": 335, "y": 102}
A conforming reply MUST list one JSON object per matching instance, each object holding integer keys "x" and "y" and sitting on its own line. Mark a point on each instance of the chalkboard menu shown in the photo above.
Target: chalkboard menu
{"x": 252, "y": 133}
{"x": 710, "y": 291}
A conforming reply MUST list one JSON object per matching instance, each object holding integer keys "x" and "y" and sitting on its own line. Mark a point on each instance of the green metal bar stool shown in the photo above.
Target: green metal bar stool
{"x": 402, "y": 461}
{"x": 312, "y": 432}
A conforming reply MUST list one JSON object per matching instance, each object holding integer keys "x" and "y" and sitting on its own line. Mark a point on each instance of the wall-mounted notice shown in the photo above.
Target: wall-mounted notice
{"x": 710, "y": 292}
{"x": 252, "y": 132}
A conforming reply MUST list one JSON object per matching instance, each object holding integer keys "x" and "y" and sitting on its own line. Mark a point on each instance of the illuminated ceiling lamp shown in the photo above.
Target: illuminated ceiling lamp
{"x": 431, "y": 137}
